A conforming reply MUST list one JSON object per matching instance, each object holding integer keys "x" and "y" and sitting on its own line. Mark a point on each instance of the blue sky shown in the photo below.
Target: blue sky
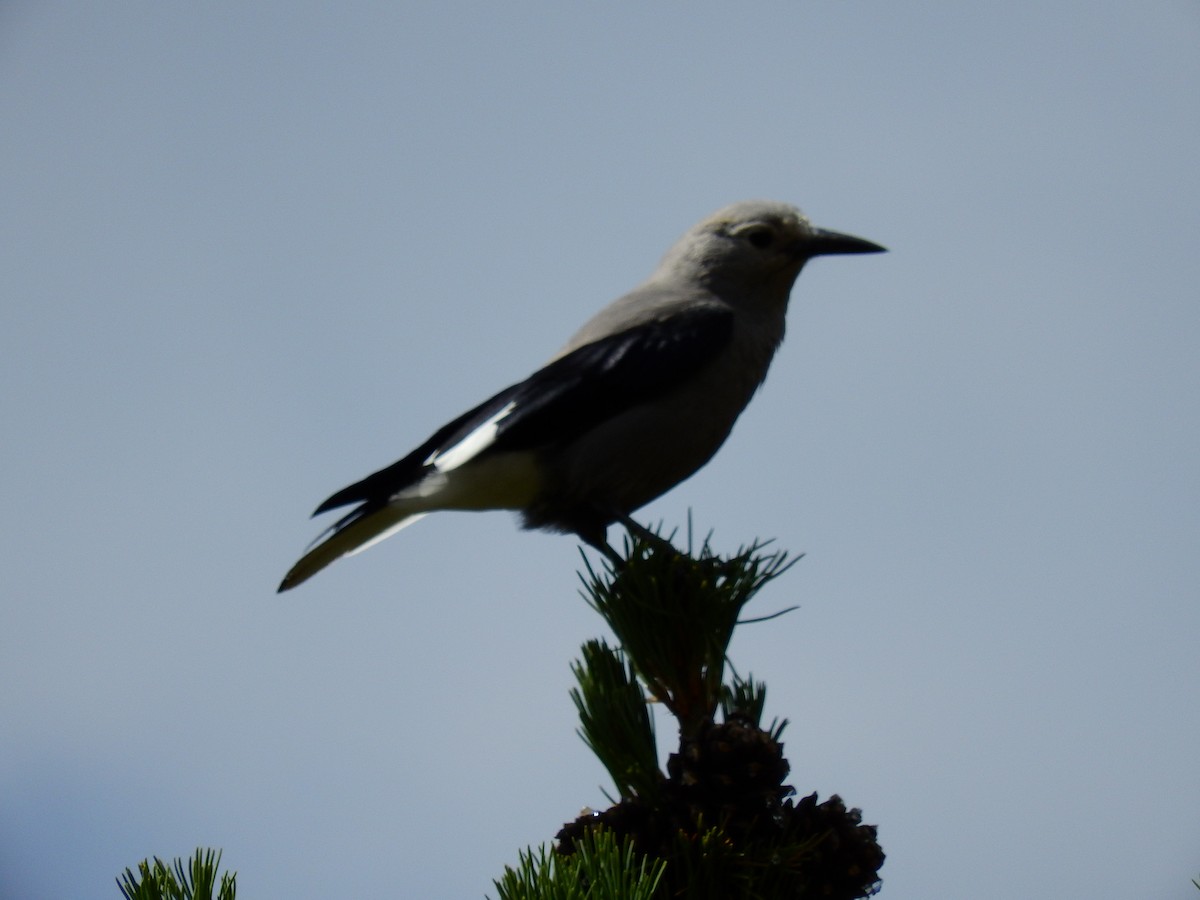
{"x": 251, "y": 252}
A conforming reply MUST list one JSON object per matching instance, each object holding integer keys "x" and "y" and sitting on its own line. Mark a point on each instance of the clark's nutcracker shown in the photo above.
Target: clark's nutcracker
{"x": 639, "y": 399}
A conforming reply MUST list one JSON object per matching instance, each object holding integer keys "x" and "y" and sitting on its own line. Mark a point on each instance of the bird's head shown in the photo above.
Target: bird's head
{"x": 755, "y": 245}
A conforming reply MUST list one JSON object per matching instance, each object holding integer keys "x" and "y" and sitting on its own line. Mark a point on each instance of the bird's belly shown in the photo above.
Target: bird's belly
{"x": 637, "y": 456}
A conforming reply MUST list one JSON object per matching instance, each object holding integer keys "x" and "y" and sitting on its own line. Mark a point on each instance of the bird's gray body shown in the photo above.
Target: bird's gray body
{"x": 645, "y": 450}
{"x": 638, "y": 400}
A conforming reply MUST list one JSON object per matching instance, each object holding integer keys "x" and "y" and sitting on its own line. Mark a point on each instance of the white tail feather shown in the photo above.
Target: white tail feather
{"x": 354, "y": 538}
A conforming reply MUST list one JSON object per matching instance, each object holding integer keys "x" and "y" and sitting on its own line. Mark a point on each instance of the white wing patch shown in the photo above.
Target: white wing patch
{"x": 470, "y": 446}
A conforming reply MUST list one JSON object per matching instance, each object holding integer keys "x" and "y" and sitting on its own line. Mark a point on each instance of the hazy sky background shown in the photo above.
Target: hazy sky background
{"x": 250, "y": 252}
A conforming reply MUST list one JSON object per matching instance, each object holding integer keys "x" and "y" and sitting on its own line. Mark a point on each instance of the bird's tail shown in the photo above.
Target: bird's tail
{"x": 363, "y": 528}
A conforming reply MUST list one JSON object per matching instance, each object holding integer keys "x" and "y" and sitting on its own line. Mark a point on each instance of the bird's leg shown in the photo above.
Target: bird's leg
{"x": 597, "y": 537}
{"x": 599, "y": 540}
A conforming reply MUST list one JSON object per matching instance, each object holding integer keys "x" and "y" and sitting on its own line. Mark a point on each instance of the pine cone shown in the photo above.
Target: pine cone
{"x": 650, "y": 831}
{"x": 843, "y": 858}
{"x": 733, "y": 768}
{"x": 731, "y": 778}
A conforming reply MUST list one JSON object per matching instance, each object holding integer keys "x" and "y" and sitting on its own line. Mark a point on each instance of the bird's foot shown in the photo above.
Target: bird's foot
{"x": 641, "y": 532}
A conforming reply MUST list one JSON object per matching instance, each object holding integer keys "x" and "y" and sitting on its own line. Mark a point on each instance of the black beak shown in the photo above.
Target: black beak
{"x": 829, "y": 243}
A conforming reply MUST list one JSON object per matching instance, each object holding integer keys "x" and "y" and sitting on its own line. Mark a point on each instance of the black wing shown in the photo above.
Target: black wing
{"x": 569, "y": 396}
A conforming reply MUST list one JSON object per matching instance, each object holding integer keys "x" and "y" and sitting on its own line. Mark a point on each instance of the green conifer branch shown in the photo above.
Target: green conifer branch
{"x": 721, "y": 818}
{"x": 674, "y": 616}
{"x": 195, "y": 880}
{"x": 746, "y": 699}
{"x": 602, "y": 869}
{"x": 615, "y": 721}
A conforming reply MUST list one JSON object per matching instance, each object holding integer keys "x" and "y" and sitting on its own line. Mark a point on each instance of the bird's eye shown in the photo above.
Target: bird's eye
{"x": 761, "y": 238}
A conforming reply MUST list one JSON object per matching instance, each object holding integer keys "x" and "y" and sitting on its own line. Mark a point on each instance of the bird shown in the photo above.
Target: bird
{"x": 638, "y": 400}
